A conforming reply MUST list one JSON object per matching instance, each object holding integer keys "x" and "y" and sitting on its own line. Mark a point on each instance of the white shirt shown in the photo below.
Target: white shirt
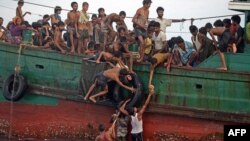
{"x": 136, "y": 125}
{"x": 164, "y": 23}
{"x": 159, "y": 40}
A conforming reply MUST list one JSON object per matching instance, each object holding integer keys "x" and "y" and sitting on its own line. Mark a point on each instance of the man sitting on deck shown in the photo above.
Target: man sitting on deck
{"x": 102, "y": 78}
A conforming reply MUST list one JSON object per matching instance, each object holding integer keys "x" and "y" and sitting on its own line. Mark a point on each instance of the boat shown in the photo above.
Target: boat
{"x": 189, "y": 104}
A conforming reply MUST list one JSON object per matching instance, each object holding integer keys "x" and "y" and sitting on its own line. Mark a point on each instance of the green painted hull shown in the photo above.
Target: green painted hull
{"x": 202, "y": 91}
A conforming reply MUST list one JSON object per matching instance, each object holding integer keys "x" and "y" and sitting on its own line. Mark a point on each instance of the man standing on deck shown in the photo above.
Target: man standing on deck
{"x": 165, "y": 22}
{"x": 140, "y": 21}
{"x": 82, "y": 29}
{"x": 72, "y": 24}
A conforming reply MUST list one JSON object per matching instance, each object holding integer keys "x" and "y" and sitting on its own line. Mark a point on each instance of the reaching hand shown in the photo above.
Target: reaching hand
{"x": 133, "y": 90}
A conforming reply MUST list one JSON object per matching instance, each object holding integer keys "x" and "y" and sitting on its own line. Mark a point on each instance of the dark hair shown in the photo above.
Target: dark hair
{"x": 26, "y": 23}
{"x": 73, "y": 3}
{"x": 1, "y": 18}
{"x": 20, "y": 2}
{"x": 57, "y": 8}
{"x": 171, "y": 42}
{"x": 85, "y": 3}
{"x": 193, "y": 28}
{"x": 36, "y": 25}
{"x": 152, "y": 60}
{"x": 203, "y": 30}
{"x": 179, "y": 40}
{"x": 227, "y": 22}
{"x": 46, "y": 23}
{"x": 120, "y": 29}
{"x": 131, "y": 110}
{"x": 60, "y": 23}
{"x": 157, "y": 24}
{"x": 236, "y": 19}
{"x": 118, "y": 54}
{"x": 122, "y": 13}
{"x": 146, "y": 2}
{"x": 45, "y": 16}
{"x": 101, "y": 127}
{"x": 91, "y": 44}
{"x": 159, "y": 9}
{"x": 124, "y": 72}
{"x": 208, "y": 25}
{"x": 94, "y": 16}
{"x": 100, "y": 9}
{"x": 218, "y": 23}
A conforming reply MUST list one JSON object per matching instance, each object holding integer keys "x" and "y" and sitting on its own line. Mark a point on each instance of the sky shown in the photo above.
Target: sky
{"x": 174, "y": 9}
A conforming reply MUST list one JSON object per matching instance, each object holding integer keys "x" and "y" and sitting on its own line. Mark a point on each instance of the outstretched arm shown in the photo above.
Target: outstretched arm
{"x": 151, "y": 92}
{"x": 99, "y": 58}
{"x": 124, "y": 86}
{"x": 122, "y": 108}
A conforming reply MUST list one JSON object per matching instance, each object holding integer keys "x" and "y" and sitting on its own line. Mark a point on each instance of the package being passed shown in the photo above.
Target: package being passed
{"x": 236, "y": 132}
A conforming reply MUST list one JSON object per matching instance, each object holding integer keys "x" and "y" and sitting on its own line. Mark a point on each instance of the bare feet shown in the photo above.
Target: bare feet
{"x": 222, "y": 68}
{"x": 179, "y": 65}
{"x": 72, "y": 52}
{"x": 188, "y": 65}
{"x": 168, "y": 68}
{"x": 92, "y": 99}
{"x": 85, "y": 98}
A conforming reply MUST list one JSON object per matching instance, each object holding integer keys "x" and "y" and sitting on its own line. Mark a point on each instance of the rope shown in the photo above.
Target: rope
{"x": 17, "y": 71}
{"x": 202, "y": 18}
{"x": 15, "y": 9}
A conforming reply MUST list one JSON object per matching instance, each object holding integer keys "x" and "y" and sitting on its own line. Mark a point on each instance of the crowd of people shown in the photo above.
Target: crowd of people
{"x": 98, "y": 36}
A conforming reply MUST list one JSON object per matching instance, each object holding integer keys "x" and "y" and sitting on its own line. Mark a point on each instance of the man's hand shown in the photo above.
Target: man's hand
{"x": 133, "y": 90}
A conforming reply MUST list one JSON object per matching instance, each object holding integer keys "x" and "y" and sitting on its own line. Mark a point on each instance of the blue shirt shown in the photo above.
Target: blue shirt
{"x": 185, "y": 55}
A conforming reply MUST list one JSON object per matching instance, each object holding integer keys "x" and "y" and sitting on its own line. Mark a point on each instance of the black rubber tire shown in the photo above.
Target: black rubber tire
{"x": 136, "y": 99}
{"x": 20, "y": 86}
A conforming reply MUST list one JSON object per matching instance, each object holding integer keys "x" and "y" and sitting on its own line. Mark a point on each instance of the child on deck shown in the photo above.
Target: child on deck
{"x": 19, "y": 12}
{"x": 59, "y": 42}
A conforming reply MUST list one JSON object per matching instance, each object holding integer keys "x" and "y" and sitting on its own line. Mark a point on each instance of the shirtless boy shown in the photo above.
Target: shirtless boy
{"x": 82, "y": 29}
{"x": 140, "y": 21}
{"x": 72, "y": 24}
{"x": 19, "y": 12}
{"x": 118, "y": 19}
{"x": 59, "y": 43}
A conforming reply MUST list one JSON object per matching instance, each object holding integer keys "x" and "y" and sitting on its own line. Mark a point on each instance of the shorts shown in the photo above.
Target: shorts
{"x": 140, "y": 32}
{"x": 71, "y": 29}
{"x": 101, "y": 79}
{"x": 83, "y": 34}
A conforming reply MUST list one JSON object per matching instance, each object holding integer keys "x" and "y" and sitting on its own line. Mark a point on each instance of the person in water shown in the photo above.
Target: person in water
{"x": 102, "y": 78}
{"x": 106, "y": 135}
{"x": 140, "y": 21}
{"x": 136, "y": 116}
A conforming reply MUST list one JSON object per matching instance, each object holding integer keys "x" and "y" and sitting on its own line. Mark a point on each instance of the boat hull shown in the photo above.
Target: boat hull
{"x": 71, "y": 119}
